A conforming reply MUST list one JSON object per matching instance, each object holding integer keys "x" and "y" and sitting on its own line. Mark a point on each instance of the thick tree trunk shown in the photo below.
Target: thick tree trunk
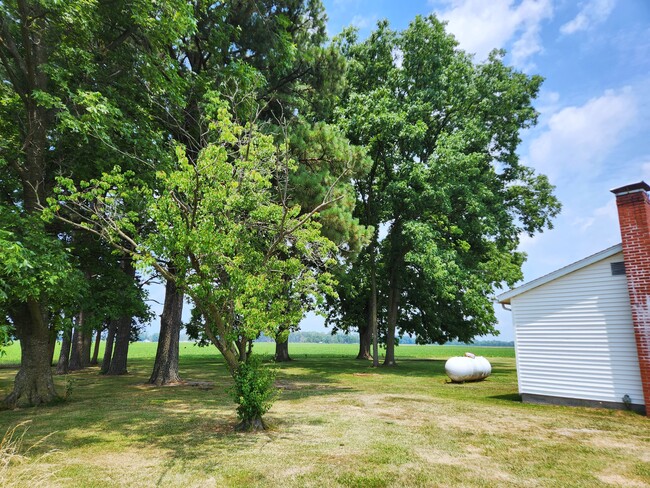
{"x": 87, "y": 342}
{"x": 33, "y": 384}
{"x": 121, "y": 351}
{"x": 98, "y": 340}
{"x": 108, "y": 350}
{"x": 282, "y": 351}
{"x": 76, "y": 359}
{"x": 393, "y": 305}
{"x": 365, "y": 339}
{"x": 64, "y": 355}
{"x": 165, "y": 368}
{"x": 122, "y": 333}
{"x": 393, "y": 293}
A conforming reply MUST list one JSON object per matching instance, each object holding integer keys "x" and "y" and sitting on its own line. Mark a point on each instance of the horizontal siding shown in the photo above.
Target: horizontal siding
{"x": 574, "y": 337}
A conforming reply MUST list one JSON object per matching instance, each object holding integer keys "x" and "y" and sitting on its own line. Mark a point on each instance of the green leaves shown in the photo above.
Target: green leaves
{"x": 251, "y": 260}
{"x": 445, "y": 181}
{"x": 33, "y": 264}
{"x": 254, "y": 389}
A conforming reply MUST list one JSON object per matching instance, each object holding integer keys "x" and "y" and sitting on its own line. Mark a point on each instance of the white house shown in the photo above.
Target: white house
{"x": 582, "y": 333}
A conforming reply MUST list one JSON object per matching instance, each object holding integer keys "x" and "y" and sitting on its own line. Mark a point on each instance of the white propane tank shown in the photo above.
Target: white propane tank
{"x": 467, "y": 368}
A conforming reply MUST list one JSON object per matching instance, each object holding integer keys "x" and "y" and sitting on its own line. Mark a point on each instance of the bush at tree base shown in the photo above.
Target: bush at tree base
{"x": 254, "y": 391}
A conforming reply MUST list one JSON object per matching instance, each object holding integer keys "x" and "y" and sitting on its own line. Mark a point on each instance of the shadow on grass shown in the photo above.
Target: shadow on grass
{"x": 121, "y": 411}
{"x": 510, "y": 397}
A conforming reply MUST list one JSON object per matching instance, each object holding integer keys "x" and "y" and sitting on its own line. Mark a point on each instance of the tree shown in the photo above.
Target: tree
{"x": 32, "y": 265}
{"x": 267, "y": 53}
{"x": 272, "y": 54}
{"x": 165, "y": 369}
{"x": 328, "y": 164}
{"x": 62, "y": 65}
{"x": 226, "y": 225}
{"x": 446, "y": 181}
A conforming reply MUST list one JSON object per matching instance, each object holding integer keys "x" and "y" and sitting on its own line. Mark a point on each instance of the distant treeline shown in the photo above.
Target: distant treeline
{"x": 306, "y": 336}
{"x": 311, "y": 337}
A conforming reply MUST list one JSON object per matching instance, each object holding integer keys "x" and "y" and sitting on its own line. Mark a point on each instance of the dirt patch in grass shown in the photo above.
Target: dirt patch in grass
{"x": 618, "y": 480}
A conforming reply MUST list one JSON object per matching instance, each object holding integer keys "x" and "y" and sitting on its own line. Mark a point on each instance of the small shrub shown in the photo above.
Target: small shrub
{"x": 68, "y": 387}
{"x": 254, "y": 391}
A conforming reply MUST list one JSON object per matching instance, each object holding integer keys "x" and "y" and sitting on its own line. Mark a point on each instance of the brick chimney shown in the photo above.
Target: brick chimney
{"x": 634, "y": 218}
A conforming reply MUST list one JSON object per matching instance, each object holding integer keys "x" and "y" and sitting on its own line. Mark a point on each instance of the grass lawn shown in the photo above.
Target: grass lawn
{"x": 337, "y": 422}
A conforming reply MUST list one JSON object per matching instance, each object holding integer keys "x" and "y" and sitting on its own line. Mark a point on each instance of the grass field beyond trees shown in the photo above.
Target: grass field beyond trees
{"x": 337, "y": 422}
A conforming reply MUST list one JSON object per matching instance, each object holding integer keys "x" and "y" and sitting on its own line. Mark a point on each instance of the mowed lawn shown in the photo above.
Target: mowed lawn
{"x": 337, "y": 422}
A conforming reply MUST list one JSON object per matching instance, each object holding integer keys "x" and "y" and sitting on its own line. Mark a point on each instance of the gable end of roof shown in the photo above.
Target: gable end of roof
{"x": 594, "y": 258}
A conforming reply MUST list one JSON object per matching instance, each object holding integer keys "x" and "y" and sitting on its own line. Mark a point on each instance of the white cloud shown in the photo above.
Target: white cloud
{"x": 592, "y": 13}
{"x": 578, "y": 139}
{"x": 548, "y": 102}
{"x": 607, "y": 212}
{"x": 363, "y": 22}
{"x": 645, "y": 171}
{"x": 481, "y": 26}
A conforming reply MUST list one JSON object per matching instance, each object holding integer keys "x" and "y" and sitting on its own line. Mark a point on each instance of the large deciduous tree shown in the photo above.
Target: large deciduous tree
{"x": 237, "y": 244}
{"x": 270, "y": 53}
{"x": 446, "y": 182}
{"x": 71, "y": 74}
{"x": 259, "y": 51}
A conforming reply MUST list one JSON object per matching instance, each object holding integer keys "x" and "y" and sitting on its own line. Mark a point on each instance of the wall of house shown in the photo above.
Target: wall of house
{"x": 574, "y": 338}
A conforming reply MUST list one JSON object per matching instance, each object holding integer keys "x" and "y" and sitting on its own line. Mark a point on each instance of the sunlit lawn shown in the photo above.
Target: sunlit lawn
{"x": 337, "y": 422}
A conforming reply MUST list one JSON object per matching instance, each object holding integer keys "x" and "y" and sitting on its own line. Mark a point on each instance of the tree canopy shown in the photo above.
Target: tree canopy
{"x": 446, "y": 182}
{"x": 261, "y": 169}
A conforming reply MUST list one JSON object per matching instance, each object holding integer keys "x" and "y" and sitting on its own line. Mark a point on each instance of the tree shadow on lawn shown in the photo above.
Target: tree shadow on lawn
{"x": 121, "y": 412}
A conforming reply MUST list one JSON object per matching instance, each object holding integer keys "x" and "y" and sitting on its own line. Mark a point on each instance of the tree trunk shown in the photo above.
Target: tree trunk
{"x": 393, "y": 293}
{"x": 87, "y": 342}
{"x": 108, "y": 350}
{"x": 282, "y": 351}
{"x": 165, "y": 367}
{"x": 251, "y": 425}
{"x": 33, "y": 384}
{"x": 372, "y": 313}
{"x": 64, "y": 355}
{"x": 242, "y": 347}
{"x": 121, "y": 351}
{"x": 365, "y": 338}
{"x": 76, "y": 361}
{"x": 393, "y": 305}
{"x": 122, "y": 332}
{"x": 98, "y": 340}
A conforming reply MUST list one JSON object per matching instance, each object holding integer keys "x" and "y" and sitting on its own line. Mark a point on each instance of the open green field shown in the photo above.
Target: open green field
{"x": 337, "y": 422}
{"x": 147, "y": 350}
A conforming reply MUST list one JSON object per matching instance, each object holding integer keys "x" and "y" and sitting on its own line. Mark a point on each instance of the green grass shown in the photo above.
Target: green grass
{"x": 147, "y": 350}
{"x": 337, "y": 422}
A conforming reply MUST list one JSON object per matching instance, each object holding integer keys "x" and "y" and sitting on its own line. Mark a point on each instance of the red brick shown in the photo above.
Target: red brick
{"x": 633, "y": 206}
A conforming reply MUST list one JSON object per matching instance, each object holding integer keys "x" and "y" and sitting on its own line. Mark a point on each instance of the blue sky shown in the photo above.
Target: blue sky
{"x": 594, "y": 127}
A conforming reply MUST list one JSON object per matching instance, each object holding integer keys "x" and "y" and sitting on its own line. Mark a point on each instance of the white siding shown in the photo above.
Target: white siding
{"x": 574, "y": 337}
